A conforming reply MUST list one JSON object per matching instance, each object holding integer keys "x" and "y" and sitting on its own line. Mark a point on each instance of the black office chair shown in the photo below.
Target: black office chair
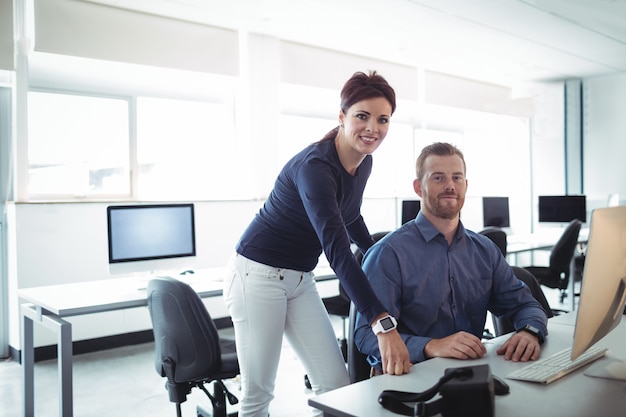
{"x": 376, "y": 236}
{"x": 557, "y": 273}
{"x": 498, "y": 236}
{"x": 502, "y": 325}
{"x": 358, "y": 366}
{"x": 579, "y": 268}
{"x": 188, "y": 349}
{"x": 339, "y": 305}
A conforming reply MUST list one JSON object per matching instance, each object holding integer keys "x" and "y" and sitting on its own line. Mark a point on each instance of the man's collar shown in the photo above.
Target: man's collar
{"x": 429, "y": 231}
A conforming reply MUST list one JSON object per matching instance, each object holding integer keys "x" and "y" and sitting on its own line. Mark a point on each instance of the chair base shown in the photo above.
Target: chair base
{"x": 220, "y": 400}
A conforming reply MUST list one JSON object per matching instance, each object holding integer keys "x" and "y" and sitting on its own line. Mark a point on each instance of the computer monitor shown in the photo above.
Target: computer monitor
{"x": 496, "y": 212}
{"x": 562, "y": 208}
{"x": 410, "y": 208}
{"x": 150, "y": 237}
{"x": 603, "y": 292}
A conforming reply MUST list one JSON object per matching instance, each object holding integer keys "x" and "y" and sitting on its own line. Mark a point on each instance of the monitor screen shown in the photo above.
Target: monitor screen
{"x": 496, "y": 212}
{"x": 410, "y": 208}
{"x": 149, "y": 232}
{"x": 603, "y": 292}
{"x": 562, "y": 208}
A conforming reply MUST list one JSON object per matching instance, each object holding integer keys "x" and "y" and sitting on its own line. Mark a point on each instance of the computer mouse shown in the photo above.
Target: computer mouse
{"x": 499, "y": 386}
{"x": 189, "y": 271}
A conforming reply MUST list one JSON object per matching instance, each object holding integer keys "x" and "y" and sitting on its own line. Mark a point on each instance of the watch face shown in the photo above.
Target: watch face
{"x": 387, "y": 323}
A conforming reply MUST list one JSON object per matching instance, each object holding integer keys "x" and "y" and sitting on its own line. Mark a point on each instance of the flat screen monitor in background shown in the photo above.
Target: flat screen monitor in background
{"x": 410, "y": 208}
{"x": 496, "y": 212}
{"x": 150, "y": 237}
{"x": 562, "y": 208}
{"x": 603, "y": 292}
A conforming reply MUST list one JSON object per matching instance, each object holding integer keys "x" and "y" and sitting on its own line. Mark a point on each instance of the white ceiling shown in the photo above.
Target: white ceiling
{"x": 506, "y": 42}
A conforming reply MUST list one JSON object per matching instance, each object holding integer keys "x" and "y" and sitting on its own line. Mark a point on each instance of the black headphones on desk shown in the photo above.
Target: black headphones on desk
{"x": 461, "y": 389}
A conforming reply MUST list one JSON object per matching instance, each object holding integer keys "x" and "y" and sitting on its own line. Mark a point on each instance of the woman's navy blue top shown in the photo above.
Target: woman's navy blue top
{"x": 316, "y": 205}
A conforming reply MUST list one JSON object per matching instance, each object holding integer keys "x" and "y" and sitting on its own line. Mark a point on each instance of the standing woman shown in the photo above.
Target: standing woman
{"x": 315, "y": 205}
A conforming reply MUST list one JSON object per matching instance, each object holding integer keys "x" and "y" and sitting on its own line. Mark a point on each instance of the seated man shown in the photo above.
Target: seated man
{"x": 439, "y": 279}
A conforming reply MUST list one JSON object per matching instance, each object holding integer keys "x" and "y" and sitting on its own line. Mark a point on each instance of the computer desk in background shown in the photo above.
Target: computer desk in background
{"x": 535, "y": 242}
{"x": 575, "y": 395}
{"x": 49, "y": 305}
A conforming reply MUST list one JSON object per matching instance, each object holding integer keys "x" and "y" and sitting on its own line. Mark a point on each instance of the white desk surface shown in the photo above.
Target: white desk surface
{"x": 111, "y": 294}
{"x": 87, "y": 297}
{"x": 539, "y": 241}
{"x": 48, "y": 305}
{"x": 518, "y": 247}
{"x": 572, "y": 396}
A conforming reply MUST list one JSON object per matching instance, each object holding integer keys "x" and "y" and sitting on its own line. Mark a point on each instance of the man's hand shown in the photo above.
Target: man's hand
{"x": 394, "y": 354}
{"x": 520, "y": 347}
{"x": 460, "y": 345}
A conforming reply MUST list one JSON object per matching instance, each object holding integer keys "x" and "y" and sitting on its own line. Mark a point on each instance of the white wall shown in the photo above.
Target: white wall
{"x": 60, "y": 243}
{"x": 67, "y": 242}
{"x": 604, "y": 137}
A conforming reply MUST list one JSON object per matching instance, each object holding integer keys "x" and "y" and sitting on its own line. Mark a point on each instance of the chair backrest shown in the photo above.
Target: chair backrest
{"x": 502, "y": 325}
{"x": 359, "y": 258}
{"x": 563, "y": 251}
{"x": 498, "y": 236}
{"x": 183, "y": 330}
{"x": 358, "y": 367}
{"x": 376, "y": 236}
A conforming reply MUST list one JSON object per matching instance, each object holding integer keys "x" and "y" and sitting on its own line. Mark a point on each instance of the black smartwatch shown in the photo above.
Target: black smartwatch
{"x": 534, "y": 331}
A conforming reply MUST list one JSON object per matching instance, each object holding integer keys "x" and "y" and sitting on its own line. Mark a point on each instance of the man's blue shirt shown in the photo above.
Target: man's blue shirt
{"x": 435, "y": 290}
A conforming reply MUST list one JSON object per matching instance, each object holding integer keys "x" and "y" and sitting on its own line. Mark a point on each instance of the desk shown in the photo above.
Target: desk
{"x": 531, "y": 243}
{"x": 48, "y": 305}
{"x": 520, "y": 247}
{"x": 575, "y": 395}
{"x": 537, "y": 241}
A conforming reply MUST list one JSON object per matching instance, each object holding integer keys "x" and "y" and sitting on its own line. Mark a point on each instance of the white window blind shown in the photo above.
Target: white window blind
{"x": 91, "y": 30}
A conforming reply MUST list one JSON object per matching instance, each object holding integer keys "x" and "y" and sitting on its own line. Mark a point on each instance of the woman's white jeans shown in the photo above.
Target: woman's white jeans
{"x": 264, "y": 303}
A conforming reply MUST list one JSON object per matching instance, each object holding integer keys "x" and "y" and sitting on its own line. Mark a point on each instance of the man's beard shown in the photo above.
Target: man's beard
{"x": 446, "y": 211}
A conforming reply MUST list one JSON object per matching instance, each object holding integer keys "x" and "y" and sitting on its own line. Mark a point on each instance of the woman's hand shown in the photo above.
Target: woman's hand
{"x": 394, "y": 354}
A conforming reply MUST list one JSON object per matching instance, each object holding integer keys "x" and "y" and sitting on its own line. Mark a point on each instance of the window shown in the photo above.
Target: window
{"x": 80, "y": 146}
{"x": 77, "y": 145}
{"x": 185, "y": 149}
{"x": 393, "y": 169}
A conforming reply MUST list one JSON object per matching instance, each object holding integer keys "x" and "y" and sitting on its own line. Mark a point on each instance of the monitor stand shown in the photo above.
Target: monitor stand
{"x": 611, "y": 367}
{"x": 608, "y": 368}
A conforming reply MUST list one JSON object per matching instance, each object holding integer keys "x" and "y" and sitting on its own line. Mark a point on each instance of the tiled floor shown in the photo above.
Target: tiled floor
{"x": 122, "y": 382}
